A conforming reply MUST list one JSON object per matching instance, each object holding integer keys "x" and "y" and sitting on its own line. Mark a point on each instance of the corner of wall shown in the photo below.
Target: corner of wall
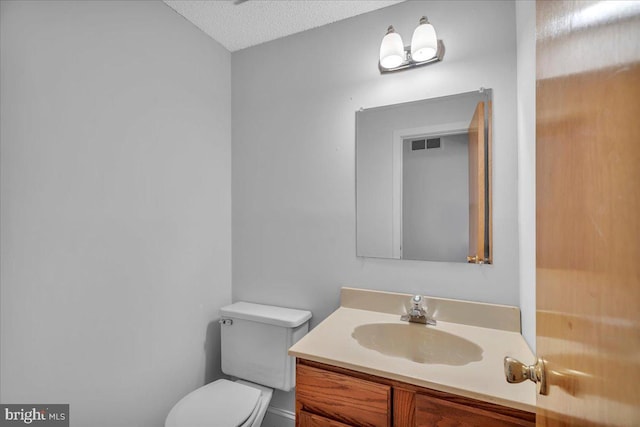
{"x": 526, "y": 74}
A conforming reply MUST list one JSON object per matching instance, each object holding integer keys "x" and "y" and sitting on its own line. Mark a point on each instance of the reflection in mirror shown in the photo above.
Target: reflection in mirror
{"x": 423, "y": 175}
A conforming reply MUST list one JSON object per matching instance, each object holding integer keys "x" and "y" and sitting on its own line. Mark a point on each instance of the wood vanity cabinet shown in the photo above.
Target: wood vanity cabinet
{"x": 328, "y": 396}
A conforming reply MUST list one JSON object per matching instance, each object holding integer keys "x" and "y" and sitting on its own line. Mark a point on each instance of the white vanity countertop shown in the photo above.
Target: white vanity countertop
{"x": 332, "y": 342}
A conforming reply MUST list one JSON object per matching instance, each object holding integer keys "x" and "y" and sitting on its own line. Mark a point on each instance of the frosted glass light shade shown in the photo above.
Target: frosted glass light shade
{"x": 391, "y": 50}
{"x": 424, "y": 42}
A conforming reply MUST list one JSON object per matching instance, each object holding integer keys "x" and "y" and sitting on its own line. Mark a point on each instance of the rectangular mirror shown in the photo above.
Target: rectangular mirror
{"x": 423, "y": 179}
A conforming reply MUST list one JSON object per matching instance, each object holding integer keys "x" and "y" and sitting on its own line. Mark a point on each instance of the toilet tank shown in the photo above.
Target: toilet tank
{"x": 255, "y": 339}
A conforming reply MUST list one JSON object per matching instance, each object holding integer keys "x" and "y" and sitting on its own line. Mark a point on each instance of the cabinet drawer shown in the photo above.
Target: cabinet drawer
{"x": 306, "y": 419}
{"x": 432, "y": 412}
{"x": 342, "y": 398}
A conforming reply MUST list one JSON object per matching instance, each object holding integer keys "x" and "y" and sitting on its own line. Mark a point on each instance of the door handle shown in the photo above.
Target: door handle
{"x": 516, "y": 372}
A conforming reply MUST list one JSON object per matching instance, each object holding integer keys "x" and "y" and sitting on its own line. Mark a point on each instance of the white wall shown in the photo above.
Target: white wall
{"x": 293, "y": 173}
{"x": 115, "y": 207}
{"x": 526, "y": 25}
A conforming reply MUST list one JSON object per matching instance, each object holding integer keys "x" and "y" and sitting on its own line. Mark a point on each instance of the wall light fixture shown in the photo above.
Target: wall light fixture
{"x": 425, "y": 49}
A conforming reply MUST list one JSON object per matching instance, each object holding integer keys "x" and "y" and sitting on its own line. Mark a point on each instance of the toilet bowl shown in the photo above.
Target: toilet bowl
{"x": 222, "y": 403}
{"x": 254, "y": 342}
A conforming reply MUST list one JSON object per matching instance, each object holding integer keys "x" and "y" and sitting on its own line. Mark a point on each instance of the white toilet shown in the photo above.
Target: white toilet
{"x": 255, "y": 339}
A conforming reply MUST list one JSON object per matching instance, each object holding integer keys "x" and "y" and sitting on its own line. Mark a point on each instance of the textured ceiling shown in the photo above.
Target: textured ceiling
{"x": 240, "y": 24}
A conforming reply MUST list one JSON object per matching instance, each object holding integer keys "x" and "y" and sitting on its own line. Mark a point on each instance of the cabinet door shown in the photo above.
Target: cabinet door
{"x": 306, "y": 419}
{"x": 434, "y": 412}
{"x": 342, "y": 397}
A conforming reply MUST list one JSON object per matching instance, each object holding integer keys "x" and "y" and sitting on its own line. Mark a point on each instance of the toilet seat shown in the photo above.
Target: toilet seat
{"x": 221, "y": 403}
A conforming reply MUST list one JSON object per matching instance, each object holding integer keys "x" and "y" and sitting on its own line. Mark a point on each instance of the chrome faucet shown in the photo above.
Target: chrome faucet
{"x": 417, "y": 314}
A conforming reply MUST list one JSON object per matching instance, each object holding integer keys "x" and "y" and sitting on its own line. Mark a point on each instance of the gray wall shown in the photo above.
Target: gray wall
{"x": 526, "y": 24}
{"x": 115, "y": 207}
{"x": 293, "y": 156}
{"x": 435, "y": 213}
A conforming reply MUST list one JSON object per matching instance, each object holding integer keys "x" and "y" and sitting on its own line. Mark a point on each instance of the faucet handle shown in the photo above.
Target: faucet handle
{"x": 418, "y": 313}
{"x": 417, "y": 308}
{"x": 416, "y": 301}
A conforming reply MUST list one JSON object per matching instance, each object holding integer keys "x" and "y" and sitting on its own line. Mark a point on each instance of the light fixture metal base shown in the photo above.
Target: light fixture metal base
{"x": 409, "y": 63}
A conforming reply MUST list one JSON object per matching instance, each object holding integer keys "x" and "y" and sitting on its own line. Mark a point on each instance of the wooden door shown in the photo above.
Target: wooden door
{"x": 477, "y": 186}
{"x": 588, "y": 212}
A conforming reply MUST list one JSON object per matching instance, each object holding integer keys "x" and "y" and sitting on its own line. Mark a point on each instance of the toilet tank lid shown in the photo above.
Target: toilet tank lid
{"x": 272, "y": 315}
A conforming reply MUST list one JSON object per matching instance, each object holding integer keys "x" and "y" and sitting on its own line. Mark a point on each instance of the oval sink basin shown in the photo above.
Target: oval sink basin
{"x": 418, "y": 343}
